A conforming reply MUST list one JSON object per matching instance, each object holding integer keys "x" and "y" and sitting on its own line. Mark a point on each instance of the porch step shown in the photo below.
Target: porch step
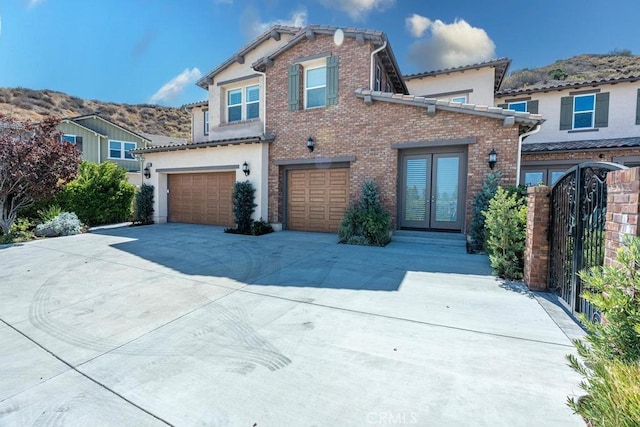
{"x": 432, "y": 238}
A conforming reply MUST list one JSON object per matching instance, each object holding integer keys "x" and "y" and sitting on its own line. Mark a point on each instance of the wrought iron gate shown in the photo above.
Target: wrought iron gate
{"x": 578, "y": 216}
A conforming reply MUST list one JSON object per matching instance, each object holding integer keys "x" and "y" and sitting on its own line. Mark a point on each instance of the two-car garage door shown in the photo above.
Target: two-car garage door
{"x": 317, "y": 199}
{"x": 202, "y": 198}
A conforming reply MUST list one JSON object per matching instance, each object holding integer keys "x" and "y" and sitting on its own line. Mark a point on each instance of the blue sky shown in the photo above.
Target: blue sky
{"x": 140, "y": 51}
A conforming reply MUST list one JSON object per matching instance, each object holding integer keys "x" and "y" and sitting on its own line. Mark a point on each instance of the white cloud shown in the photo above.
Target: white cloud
{"x": 358, "y": 9}
{"x": 450, "y": 45}
{"x": 256, "y": 27}
{"x": 33, "y": 3}
{"x": 417, "y": 24}
{"x": 173, "y": 88}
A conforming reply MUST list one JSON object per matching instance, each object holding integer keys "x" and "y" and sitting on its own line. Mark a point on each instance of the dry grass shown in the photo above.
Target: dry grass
{"x": 33, "y": 105}
{"x": 586, "y": 67}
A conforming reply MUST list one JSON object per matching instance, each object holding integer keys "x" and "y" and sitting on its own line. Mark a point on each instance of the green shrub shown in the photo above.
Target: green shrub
{"x": 506, "y": 221}
{"x": 366, "y": 222}
{"x": 611, "y": 354}
{"x": 99, "y": 195}
{"x": 22, "y": 230}
{"x": 49, "y": 213}
{"x": 143, "y": 205}
{"x": 65, "y": 224}
{"x": 477, "y": 230}
{"x": 243, "y": 207}
{"x": 260, "y": 227}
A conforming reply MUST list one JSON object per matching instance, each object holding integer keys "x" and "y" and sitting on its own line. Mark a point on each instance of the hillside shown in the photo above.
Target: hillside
{"x": 32, "y": 105}
{"x": 586, "y": 67}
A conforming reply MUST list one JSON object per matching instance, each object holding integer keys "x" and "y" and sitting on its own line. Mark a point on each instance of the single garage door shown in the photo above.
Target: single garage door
{"x": 317, "y": 199}
{"x": 202, "y": 198}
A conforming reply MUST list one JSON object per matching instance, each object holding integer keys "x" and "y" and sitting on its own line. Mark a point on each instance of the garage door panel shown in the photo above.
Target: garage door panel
{"x": 316, "y": 199}
{"x": 201, "y": 198}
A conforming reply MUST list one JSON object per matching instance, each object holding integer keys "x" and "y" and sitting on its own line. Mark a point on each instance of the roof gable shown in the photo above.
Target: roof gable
{"x": 82, "y": 119}
{"x": 273, "y": 32}
{"x": 378, "y": 38}
{"x": 562, "y": 85}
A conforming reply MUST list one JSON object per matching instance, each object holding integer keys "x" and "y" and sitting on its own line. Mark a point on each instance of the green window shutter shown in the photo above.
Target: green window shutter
{"x": 505, "y": 106}
{"x": 566, "y": 112}
{"x": 532, "y": 107}
{"x": 638, "y": 109}
{"x": 602, "y": 110}
{"x": 294, "y": 87}
{"x": 332, "y": 80}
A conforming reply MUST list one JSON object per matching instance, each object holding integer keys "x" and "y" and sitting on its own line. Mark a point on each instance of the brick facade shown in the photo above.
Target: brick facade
{"x": 536, "y": 255}
{"x": 352, "y": 128}
{"x": 623, "y": 210}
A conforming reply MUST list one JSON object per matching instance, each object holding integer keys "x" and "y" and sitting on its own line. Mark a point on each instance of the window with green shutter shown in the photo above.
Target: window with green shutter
{"x": 294, "y": 87}
{"x": 318, "y": 80}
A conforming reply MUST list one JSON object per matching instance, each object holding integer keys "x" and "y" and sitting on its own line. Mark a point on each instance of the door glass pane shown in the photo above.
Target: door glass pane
{"x": 415, "y": 190}
{"x": 533, "y": 178}
{"x": 447, "y": 189}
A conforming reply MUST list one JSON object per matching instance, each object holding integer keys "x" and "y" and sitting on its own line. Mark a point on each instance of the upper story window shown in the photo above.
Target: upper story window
{"x": 584, "y": 111}
{"x": 518, "y": 106}
{"x": 462, "y": 99}
{"x": 315, "y": 87}
{"x": 243, "y": 103}
{"x": 316, "y": 80}
{"x": 121, "y": 150}
{"x": 387, "y": 87}
{"x": 584, "y": 108}
{"x": 72, "y": 139}
{"x": 205, "y": 117}
{"x": 378, "y": 78}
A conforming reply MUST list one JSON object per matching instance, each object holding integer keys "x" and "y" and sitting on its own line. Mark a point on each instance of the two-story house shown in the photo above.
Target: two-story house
{"x": 585, "y": 121}
{"x": 101, "y": 140}
{"x": 309, "y": 114}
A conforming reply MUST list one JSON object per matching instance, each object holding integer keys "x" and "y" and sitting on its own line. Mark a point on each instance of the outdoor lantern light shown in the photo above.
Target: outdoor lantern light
{"x": 493, "y": 158}
{"x": 147, "y": 170}
{"x": 310, "y": 144}
{"x": 245, "y": 169}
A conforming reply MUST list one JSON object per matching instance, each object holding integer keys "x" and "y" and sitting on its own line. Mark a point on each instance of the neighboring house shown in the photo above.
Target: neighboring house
{"x": 100, "y": 140}
{"x": 337, "y": 112}
{"x": 585, "y": 121}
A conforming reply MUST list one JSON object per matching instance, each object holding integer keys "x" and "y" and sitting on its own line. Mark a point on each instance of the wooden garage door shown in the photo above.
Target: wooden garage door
{"x": 202, "y": 198}
{"x": 317, "y": 199}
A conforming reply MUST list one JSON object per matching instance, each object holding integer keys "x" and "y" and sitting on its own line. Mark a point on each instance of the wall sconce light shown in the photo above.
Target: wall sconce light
{"x": 493, "y": 158}
{"x": 147, "y": 170}
{"x": 245, "y": 169}
{"x": 310, "y": 144}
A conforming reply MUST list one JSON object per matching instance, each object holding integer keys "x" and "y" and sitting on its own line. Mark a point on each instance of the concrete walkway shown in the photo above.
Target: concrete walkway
{"x": 184, "y": 325}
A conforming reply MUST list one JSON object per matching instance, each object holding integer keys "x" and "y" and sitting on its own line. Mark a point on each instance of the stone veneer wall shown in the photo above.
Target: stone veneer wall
{"x": 623, "y": 210}
{"x": 536, "y": 255}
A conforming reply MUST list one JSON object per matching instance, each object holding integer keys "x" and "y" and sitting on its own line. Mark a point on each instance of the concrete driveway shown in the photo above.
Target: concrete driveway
{"x": 184, "y": 325}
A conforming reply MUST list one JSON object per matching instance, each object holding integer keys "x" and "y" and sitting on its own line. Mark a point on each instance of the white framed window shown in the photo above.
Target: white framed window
{"x": 315, "y": 87}
{"x": 584, "y": 109}
{"x": 120, "y": 150}
{"x": 518, "y": 106}
{"x": 252, "y": 107}
{"x": 243, "y": 103}
{"x": 387, "y": 87}
{"x": 72, "y": 139}
{"x": 234, "y": 105}
{"x": 462, "y": 99}
{"x": 378, "y": 81}
{"x": 205, "y": 117}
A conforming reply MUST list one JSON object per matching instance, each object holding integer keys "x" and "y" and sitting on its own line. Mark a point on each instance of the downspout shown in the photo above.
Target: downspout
{"x": 99, "y": 147}
{"x": 373, "y": 68}
{"x": 520, "y": 139}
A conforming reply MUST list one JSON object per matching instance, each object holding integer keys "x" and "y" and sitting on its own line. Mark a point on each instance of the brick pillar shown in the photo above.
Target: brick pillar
{"x": 623, "y": 210}
{"x": 536, "y": 254}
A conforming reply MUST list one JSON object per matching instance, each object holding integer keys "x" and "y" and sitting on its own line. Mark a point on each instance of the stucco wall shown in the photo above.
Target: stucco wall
{"x": 195, "y": 160}
{"x": 352, "y": 128}
{"x": 217, "y": 97}
{"x": 622, "y": 114}
{"x": 481, "y": 81}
